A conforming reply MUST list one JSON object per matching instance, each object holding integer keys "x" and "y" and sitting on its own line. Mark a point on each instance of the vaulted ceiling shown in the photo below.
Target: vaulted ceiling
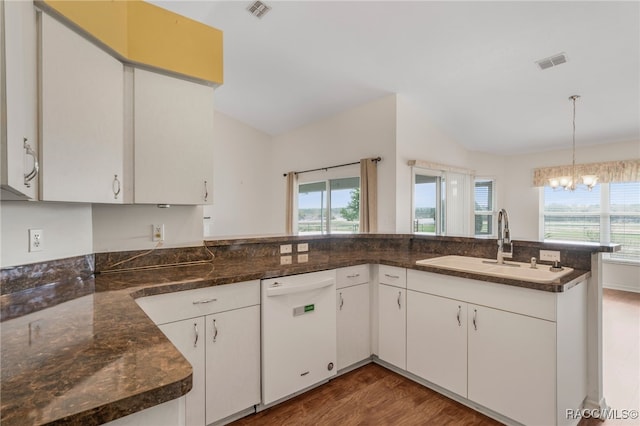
{"x": 469, "y": 65}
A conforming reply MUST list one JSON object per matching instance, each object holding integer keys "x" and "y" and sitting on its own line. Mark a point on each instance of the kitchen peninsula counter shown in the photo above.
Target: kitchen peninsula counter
{"x": 79, "y": 350}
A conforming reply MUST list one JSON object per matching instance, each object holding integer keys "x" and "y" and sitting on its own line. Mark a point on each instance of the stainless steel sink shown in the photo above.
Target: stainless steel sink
{"x": 513, "y": 270}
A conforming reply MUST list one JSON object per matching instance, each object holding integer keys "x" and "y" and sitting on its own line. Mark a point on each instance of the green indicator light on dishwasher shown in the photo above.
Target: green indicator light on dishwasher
{"x": 309, "y": 308}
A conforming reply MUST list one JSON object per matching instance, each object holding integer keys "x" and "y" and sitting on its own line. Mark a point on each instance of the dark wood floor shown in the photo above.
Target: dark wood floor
{"x": 373, "y": 395}
{"x": 370, "y": 395}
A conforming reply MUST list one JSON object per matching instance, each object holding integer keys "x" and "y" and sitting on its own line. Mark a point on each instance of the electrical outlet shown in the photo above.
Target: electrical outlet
{"x": 550, "y": 255}
{"x": 36, "y": 240}
{"x": 302, "y": 258}
{"x": 285, "y": 260}
{"x": 285, "y": 248}
{"x": 158, "y": 232}
{"x": 303, "y": 247}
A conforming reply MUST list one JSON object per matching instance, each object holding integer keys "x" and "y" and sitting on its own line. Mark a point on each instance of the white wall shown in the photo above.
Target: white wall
{"x": 621, "y": 276}
{"x": 119, "y": 228}
{"x": 66, "y": 230}
{"x": 242, "y": 176}
{"x": 365, "y": 131}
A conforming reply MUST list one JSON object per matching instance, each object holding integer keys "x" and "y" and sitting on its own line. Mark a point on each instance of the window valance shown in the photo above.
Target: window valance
{"x": 610, "y": 171}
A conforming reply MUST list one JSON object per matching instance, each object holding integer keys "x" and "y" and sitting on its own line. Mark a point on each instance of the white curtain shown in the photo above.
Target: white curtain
{"x": 459, "y": 201}
{"x": 368, "y": 195}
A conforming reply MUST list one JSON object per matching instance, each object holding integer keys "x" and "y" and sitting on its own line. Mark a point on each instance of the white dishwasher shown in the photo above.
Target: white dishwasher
{"x": 298, "y": 333}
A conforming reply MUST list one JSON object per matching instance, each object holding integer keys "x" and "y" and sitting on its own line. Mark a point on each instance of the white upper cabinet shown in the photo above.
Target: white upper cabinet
{"x": 173, "y": 140}
{"x": 82, "y": 116}
{"x": 18, "y": 94}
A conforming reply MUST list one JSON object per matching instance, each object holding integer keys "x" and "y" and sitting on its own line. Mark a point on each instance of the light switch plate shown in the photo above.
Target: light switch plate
{"x": 303, "y": 258}
{"x": 303, "y": 247}
{"x": 285, "y": 260}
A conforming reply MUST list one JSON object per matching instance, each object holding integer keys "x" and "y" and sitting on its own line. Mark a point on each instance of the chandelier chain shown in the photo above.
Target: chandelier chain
{"x": 574, "y": 177}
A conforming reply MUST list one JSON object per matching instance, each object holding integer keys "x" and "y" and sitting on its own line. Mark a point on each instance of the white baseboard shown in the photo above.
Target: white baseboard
{"x": 622, "y": 288}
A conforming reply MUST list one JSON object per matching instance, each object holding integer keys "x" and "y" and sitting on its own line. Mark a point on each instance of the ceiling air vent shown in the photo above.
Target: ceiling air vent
{"x": 258, "y": 9}
{"x": 552, "y": 61}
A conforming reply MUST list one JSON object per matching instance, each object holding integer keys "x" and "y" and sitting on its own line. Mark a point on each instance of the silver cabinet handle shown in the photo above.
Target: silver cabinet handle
{"x": 206, "y": 191}
{"x": 28, "y": 177}
{"x": 475, "y": 313}
{"x": 399, "y": 295}
{"x": 353, "y": 276}
{"x": 341, "y": 301}
{"x": 200, "y": 302}
{"x": 391, "y": 276}
{"x": 115, "y": 187}
{"x": 195, "y": 329}
{"x": 215, "y": 331}
{"x": 459, "y": 311}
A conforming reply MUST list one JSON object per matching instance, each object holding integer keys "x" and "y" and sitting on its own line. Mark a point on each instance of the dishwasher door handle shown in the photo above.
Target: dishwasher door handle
{"x": 280, "y": 289}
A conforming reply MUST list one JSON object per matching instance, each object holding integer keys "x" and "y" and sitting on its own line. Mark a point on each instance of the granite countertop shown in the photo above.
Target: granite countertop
{"x": 94, "y": 356}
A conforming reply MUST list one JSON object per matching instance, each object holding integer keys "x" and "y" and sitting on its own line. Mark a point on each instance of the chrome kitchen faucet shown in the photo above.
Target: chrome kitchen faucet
{"x": 503, "y": 238}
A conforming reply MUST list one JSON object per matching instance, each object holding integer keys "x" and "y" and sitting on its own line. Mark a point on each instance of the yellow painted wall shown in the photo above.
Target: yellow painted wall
{"x": 173, "y": 42}
{"x": 143, "y": 33}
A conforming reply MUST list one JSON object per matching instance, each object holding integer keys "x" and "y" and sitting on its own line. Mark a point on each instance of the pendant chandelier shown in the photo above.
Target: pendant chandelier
{"x": 568, "y": 183}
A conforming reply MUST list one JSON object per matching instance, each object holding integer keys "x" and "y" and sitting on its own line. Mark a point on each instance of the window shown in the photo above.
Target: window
{"x": 329, "y": 206}
{"x": 484, "y": 197}
{"x": 610, "y": 212}
{"x": 624, "y": 218}
{"x": 572, "y": 215}
{"x": 428, "y": 203}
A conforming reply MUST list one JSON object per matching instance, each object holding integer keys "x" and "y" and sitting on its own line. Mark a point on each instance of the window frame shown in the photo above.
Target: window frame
{"x": 492, "y": 212}
{"x": 326, "y": 176}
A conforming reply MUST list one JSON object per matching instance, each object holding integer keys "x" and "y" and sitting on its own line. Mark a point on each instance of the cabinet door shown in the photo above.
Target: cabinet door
{"x": 353, "y": 325}
{"x": 512, "y": 364}
{"x": 173, "y": 140}
{"x": 19, "y": 104}
{"x": 437, "y": 340}
{"x": 392, "y": 325}
{"x": 82, "y": 101}
{"x": 233, "y": 362}
{"x": 189, "y": 337}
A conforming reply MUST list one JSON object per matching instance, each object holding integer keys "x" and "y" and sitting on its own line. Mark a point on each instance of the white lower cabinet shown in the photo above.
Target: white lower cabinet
{"x": 188, "y": 336}
{"x": 217, "y": 329}
{"x": 437, "y": 340}
{"x": 353, "y": 315}
{"x": 518, "y": 352}
{"x": 392, "y": 325}
{"x": 512, "y": 364}
{"x": 232, "y": 362}
{"x": 354, "y": 342}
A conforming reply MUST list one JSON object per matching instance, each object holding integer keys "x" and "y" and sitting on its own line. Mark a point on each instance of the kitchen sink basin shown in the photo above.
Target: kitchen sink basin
{"x": 513, "y": 270}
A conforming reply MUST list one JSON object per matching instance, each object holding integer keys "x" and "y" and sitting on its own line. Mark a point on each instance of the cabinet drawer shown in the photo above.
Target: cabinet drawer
{"x": 525, "y": 301}
{"x": 164, "y": 308}
{"x": 352, "y": 275}
{"x": 392, "y": 275}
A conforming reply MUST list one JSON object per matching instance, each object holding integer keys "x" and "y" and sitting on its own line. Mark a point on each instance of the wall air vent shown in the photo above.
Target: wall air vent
{"x": 258, "y": 9}
{"x": 552, "y": 61}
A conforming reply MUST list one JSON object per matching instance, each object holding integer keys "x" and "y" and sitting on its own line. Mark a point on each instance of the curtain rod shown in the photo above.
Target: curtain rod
{"x": 377, "y": 159}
